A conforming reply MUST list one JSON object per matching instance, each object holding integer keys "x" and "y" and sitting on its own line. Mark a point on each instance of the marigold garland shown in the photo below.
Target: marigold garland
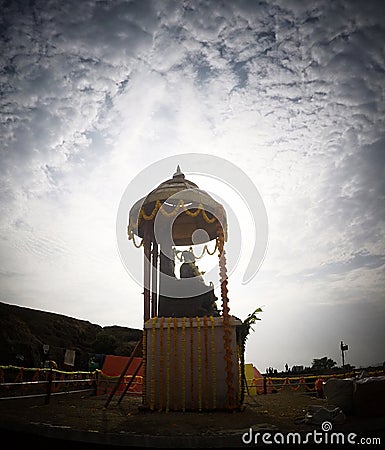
{"x": 199, "y": 363}
{"x": 226, "y": 321}
{"x": 184, "y": 364}
{"x": 152, "y": 381}
{"x": 181, "y": 204}
{"x": 206, "y": 365}
{"x": 178, "y": 254}
{"x": 213, "y": 363}
{"x": 286, "y": 382}
{"x": 207, "y": 219}
{"x": 168, "y": 364}
{"x": 131, "y": 237}
{"x": 192, "y": 362}
{"x": 175, "y": 362}
{"x": 161, "y": 363}
{"x": 144, "y": 364}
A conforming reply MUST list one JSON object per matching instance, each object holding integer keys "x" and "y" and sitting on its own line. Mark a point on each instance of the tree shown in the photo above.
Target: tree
{"x": 321, "y": 364}
{"x": 105, "y": 343}
{"x": 243, "y": 332}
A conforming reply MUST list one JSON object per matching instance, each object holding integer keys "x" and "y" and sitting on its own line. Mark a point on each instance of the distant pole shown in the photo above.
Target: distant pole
{"x": 343, "y": 348}
{"x": 343, "y": 357}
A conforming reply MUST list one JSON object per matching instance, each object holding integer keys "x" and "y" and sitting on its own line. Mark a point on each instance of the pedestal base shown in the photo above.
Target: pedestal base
{"x": 189, "y": 365}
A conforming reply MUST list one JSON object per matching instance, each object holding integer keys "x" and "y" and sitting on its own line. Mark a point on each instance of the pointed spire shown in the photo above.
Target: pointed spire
{"x": 178, "y": 172}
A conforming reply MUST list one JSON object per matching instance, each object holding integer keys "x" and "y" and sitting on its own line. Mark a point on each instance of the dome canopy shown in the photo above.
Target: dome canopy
{"x": 185, "y": 207}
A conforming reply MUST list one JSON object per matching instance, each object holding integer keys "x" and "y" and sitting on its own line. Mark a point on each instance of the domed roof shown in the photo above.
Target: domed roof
{"x": 169, "y": 187}
{"x": 187, "y": 207}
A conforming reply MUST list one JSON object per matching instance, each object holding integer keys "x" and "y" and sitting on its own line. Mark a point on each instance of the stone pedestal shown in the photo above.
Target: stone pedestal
{"x": 189, "y": 365}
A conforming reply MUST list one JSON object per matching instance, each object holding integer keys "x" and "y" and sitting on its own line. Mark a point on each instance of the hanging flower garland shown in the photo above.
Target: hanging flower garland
{"x": 181, "y": 204}
{"x": 199, "y": 363}
{"x": 213, "y": 363}
{"x": 152, "y": 381}
{"x": 144, "y": 364}
{"x": 131, "y": 237}
{"x": 206, "y": 365}
{"x": 184, "y": 364}
{"x": 192, "y": 362}
{"x": 161, "y": 363}
{"x": 178, "y": 253}
{"x": 168, "y": 364}
{"x": 226, "y": 321}
{"x": 175, "y": 362}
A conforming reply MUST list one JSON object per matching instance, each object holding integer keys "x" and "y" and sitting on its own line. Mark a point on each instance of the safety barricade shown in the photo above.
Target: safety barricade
{"x": 24, "y": 382}
{"x": 310, "y": 383}
{"x": 106, "y": 383}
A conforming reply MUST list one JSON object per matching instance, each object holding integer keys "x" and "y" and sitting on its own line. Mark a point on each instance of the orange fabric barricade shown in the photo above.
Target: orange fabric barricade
{"x": 112, "y": 369}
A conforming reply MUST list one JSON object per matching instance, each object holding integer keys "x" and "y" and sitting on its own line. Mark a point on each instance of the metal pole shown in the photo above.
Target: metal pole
{"x": 154, "y": 281}
{"x": 131, "y": 381}
{"x": 112, "y": 393}
{"x": 342, "y": 353}
{"x": 146, "y": 280}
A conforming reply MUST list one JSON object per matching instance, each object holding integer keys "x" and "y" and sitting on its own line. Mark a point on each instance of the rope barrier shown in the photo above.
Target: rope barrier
{"x": 308, "y": 382}
{"x": 30, "y": 379}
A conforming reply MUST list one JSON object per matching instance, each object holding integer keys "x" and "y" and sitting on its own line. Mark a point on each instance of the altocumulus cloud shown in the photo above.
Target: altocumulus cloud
{"x": 291, "y": 91}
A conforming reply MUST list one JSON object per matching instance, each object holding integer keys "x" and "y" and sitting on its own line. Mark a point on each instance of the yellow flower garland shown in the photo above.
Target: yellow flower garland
{"x": 144, "y": 365}
{"x": 206, "y": 365}
{"x": 213, "y": 363}
{"x": 152, "y": 381}
{"x": 183, "y": 364}
{"x": 192, "y": 362}
{"x": 168, "y": 364}
{"x": 228, "y": 357}
{"x": 181, "y": 204}
{"x": 161, "y": 362}
{"x": 175, "y": 362}
{"x": 199, "y": 363}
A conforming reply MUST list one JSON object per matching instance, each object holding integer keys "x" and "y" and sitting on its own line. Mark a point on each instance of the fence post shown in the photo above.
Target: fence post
{"x": 96, "y": 382}
{"x": 49, "y": 386}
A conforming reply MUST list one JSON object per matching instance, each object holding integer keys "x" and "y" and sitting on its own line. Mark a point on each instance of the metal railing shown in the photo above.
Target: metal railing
{"x": 48, "y": 387}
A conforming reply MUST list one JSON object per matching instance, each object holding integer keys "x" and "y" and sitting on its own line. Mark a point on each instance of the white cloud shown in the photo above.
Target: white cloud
{"x": 290, "y": 92}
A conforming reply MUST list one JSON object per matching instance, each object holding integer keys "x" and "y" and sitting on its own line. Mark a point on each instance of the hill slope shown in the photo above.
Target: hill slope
{"x": 24, "y": 331}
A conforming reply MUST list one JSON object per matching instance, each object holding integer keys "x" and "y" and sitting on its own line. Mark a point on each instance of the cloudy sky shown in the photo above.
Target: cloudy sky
{"x": 291, "y": 92}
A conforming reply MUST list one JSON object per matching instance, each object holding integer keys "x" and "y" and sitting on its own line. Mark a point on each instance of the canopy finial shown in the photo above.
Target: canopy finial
{"x": 178, "y": 172}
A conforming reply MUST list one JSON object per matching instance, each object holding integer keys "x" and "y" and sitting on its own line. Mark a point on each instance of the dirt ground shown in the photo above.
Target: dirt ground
{"x": 281, "y": 411}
